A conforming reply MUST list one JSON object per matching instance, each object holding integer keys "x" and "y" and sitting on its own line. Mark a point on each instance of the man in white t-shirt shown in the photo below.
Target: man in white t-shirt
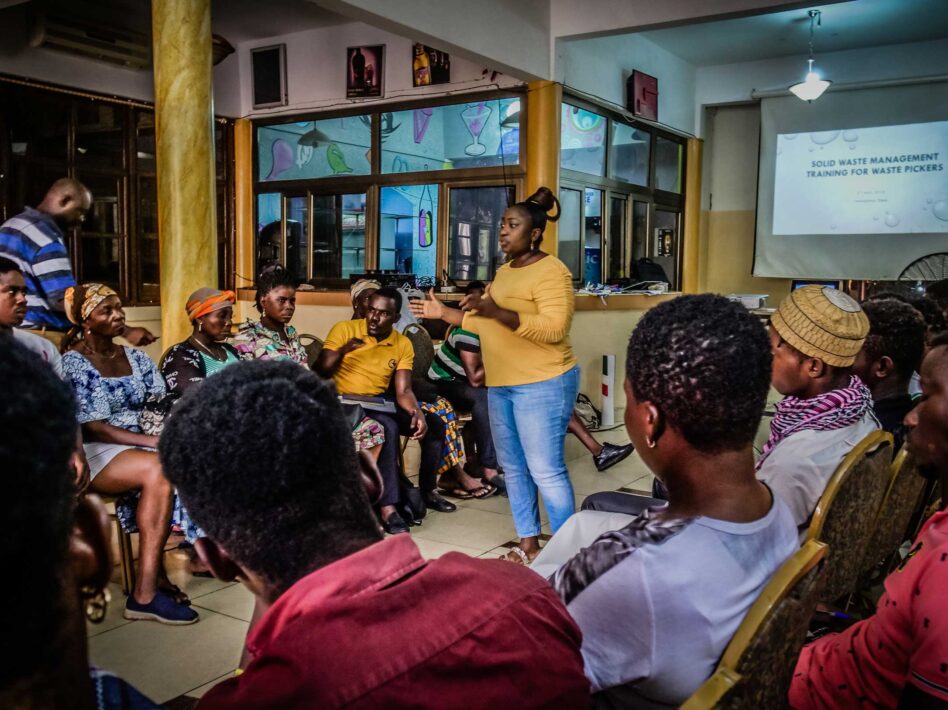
{"x": 13, "y": 311}
{"x": 659, "y": 595}
{"x": 815, "y": 335}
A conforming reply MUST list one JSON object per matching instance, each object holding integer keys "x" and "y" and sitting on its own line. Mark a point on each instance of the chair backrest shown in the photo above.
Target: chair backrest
{"x": 312, "y": 345}
{"x": 756, "y": 668}
{"x": 424, "y": 353}
{"x": 902, "y": 497}
{"x": 847, "y": 510}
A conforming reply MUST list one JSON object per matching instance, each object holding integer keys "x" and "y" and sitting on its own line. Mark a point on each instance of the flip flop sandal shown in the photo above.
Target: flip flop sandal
{"x": 485, "y": 491}
{"x": 524, "y": 559}
{"x": 457, "y": 493}
{"x": 497, "y": 482}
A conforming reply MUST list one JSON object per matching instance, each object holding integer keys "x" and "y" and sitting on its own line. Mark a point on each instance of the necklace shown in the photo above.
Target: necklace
{"x": 207, "y": 349}
{"x": 97, "y": 354}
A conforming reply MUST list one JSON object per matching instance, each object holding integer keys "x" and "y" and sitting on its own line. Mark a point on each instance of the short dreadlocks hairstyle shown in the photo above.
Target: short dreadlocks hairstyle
{"x": 705, "y": 363}
{"x": 896, "y": 330}
{"x": 262, "y": 457}
{"x": 38, "y": 425}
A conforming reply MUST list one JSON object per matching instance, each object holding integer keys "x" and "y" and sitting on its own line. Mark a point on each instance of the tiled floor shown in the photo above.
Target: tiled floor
{"x": 176, "y": 665}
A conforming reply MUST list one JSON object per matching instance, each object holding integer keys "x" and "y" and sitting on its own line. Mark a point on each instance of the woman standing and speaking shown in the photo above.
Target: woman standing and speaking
{"x": 532, "y": 377}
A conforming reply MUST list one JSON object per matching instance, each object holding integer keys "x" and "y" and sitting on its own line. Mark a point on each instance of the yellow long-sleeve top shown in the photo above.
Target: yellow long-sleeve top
{"x": 542, "y": 295}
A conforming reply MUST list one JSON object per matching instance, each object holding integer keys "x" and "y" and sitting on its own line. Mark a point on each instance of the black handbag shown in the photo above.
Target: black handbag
{"x": 645, "y": 269}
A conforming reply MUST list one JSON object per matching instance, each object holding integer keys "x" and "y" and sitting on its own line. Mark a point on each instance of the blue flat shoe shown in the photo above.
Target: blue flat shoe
{"x": 162, "y": 609}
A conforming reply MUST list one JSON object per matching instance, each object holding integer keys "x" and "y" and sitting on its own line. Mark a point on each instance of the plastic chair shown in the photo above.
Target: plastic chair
{"x": 313, "y": 346}
{"x": 902, "y": 497}
{"x": 847, "y": 510}
{"x": 757, "y": 666}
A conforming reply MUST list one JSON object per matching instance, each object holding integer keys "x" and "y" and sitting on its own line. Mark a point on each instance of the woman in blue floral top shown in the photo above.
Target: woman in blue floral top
{"x": 112, "y": 384}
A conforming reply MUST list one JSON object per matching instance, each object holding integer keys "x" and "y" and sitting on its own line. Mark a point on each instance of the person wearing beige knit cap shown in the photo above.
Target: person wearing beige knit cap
{"x": 815, "y": 336}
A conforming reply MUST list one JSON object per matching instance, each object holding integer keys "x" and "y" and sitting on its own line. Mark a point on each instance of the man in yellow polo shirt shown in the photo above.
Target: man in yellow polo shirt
{"x": 365, "y": 357}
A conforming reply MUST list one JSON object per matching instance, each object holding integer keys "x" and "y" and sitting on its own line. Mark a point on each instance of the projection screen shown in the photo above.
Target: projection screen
{"x": 854, "y": 185}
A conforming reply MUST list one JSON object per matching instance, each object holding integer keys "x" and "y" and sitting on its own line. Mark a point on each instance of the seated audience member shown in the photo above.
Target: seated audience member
{"x": 350, "y": 620}
{"x": 205, "y": 351}
{"x": 898, "y": 656}
{"x": 65, "y": 567}
{"x": 361, "y": 291}
{"x": 826, "y": 410}
{"x": 111, "y": 384}
{"x": 938, "y": 292}
{"x": 659, "y": 595}
{"x": 272, "y": 337}
{"x": 457, "y": 371}
{"x": 891, "y": 354}
{"x": 13, "y": 311}
{"x": 367, "y": 357}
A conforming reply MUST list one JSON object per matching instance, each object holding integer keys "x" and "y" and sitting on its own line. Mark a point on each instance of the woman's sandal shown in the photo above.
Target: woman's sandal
{"x": 520, "y": 557}
{"x": 174, "y": 591}
{"x": 457, "y": 492}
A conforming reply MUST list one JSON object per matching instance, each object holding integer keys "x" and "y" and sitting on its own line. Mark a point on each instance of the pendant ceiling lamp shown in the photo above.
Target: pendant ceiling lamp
{"x": 812, "y": 87}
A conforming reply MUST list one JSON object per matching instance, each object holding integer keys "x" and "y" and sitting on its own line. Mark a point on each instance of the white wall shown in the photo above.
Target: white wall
{"x": 730, "y": 83}
{"x": 601, "y": 66}
{"x": 511, "y": 35}
{"x": 316, "y": 69}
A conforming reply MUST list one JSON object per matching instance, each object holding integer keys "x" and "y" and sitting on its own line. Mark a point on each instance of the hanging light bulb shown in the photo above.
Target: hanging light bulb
{"x": 812, "y": 87}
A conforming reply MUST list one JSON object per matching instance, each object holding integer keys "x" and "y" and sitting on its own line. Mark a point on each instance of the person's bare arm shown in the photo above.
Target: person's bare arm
{"x": 102, "y": 431}
{"x": 405, "y": 397}
{"x": 473, "y": 365}
{"x": 329, "y": 360}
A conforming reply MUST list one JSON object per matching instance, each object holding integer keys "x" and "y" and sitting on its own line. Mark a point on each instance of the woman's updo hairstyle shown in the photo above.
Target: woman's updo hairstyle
{"x": 538, "y": 207}
{"x": 273, "y": 276}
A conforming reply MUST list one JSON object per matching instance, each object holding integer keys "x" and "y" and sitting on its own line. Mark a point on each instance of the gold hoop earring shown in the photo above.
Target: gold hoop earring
{"x": 200, "y": 327}
{"x": 650, "y": 443}
{"x": 96, "y": 603}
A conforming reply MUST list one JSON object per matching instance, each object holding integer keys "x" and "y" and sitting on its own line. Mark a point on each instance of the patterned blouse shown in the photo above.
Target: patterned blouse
{"x": 255, "y": 341}
{"x": 115, "y": 400}
{"x": 185, "y": 365}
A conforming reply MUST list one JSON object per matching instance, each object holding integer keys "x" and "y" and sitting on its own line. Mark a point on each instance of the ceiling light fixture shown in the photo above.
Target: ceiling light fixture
{"x": 812, "y": 87}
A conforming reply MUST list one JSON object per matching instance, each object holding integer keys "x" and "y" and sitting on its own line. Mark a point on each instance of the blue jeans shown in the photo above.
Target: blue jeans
{"x": 528, "y": 424}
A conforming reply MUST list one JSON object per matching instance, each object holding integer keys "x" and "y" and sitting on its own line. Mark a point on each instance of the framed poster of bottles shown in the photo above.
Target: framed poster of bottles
{"x": 365, "y": 72}
{"x": 429, "y": 66}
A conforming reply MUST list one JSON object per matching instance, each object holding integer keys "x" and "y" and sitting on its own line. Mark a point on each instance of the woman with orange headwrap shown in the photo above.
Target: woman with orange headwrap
{"x": 211, "y": 313}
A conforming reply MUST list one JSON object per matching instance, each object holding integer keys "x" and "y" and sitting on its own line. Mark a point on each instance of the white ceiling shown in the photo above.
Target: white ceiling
{"x": 241, "y": 20}
{"x": 846, "y": 25}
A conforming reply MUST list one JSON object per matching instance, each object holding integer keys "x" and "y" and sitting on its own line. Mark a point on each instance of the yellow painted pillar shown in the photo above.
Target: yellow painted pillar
{"x": 691, "y": 231}
{"x": 184, "y": 131}
{"x": 243, "y": 202}
{"x": 543, "y": 145}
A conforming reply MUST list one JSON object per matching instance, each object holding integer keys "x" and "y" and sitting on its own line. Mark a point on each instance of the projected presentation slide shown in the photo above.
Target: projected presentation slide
{"x": 887, "y": 179}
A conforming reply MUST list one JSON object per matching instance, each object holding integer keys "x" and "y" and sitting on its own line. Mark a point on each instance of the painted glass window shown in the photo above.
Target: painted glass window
{"x": 470, "y": 135}
{"x": 304, "y": 150}
{"x": 582, "y": 140}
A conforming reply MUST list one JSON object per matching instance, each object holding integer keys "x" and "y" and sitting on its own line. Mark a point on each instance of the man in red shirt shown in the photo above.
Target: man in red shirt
{"x": 898, "y": 656}
{"x": 263, "y": 459}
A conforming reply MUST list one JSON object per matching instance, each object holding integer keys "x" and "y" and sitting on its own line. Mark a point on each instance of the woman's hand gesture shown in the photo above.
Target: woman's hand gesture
{"x": 430, "y": 308}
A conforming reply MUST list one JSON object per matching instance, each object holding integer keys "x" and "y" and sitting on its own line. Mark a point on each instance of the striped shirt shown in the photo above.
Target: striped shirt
{"x": 34, "y": 241}
{"x": 446, "y": 365}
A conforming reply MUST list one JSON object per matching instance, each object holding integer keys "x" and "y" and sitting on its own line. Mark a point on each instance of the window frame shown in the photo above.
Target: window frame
{"x": 656, "y": 199}
{"x": 372, "y": 184}
{"x": 130, "y": 248}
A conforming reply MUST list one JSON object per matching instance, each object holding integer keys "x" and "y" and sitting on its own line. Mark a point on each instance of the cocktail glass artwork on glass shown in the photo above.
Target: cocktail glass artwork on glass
{"x": 475, "y": 118}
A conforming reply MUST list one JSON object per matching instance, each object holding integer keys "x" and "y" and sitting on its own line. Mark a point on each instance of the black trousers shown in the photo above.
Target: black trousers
{"x": 464, "y": 397}
{"x": 397, "y": 425}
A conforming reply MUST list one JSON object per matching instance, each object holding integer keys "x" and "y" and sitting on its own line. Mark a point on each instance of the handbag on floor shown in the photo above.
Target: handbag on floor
{"x": 587, "y": 412}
